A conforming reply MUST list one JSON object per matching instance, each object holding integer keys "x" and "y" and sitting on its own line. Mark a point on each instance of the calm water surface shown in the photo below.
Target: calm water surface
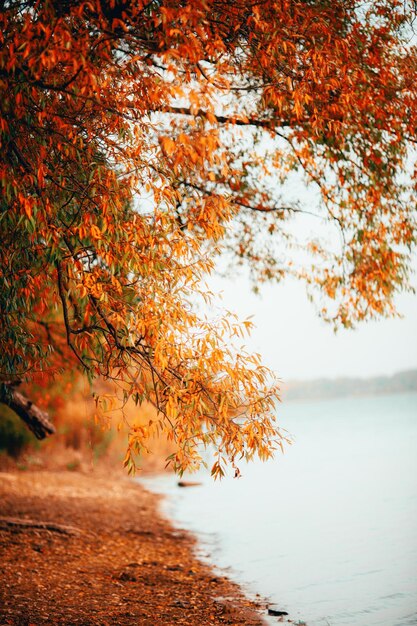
{"x": 329, "y": 530}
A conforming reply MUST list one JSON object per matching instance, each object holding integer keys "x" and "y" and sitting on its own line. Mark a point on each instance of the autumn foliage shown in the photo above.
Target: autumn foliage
{"x": 139, "y": 139}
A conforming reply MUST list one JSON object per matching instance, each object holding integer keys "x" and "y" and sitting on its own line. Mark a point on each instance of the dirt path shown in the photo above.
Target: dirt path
{"x": 106, "y": 558}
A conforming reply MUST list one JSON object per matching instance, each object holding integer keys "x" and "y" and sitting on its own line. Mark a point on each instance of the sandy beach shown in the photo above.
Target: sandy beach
{"x": 83, "y": 549}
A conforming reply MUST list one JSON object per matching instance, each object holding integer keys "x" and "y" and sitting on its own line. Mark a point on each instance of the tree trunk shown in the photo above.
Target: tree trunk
{"x": 37, "y": 420}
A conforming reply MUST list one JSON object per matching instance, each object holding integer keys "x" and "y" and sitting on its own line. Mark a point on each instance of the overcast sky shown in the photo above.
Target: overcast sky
{"x": 291, "y": 337}
{"x": 297, "y": 344}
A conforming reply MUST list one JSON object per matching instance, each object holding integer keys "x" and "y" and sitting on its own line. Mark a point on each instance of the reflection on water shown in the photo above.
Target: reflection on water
{"x": 329, "y": 530}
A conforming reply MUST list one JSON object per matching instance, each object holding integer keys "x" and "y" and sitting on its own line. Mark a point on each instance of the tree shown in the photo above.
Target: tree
{"x": 140, "y": 139}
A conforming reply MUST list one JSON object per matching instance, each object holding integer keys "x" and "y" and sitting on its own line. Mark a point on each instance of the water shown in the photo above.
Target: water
{"x": 329, "y": 530}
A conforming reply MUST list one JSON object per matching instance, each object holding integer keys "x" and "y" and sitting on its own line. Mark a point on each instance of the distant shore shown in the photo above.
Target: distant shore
{"x": 81, "y": 549}
{"x": 345, "y": 387}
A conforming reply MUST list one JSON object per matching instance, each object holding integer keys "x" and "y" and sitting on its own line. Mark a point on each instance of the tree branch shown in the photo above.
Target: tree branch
{"x": 66, "y": 317}
{"x": 37, "y": 420}
{"x": 15, "y": 523}
{"x": 223, "y": 119}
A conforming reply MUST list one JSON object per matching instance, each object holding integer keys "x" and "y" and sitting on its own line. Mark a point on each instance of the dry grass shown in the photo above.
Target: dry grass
{"x": 85, "y": 442}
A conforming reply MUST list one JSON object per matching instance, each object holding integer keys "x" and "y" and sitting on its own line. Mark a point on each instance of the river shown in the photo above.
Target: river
{"x": 328, "y": 531}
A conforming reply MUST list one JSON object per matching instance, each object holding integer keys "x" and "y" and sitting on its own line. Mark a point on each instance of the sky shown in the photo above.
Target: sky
{"x": 296, "y": 344}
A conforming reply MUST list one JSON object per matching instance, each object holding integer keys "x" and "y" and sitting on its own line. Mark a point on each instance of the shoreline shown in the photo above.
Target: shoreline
{"x": 86, "y": 549}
